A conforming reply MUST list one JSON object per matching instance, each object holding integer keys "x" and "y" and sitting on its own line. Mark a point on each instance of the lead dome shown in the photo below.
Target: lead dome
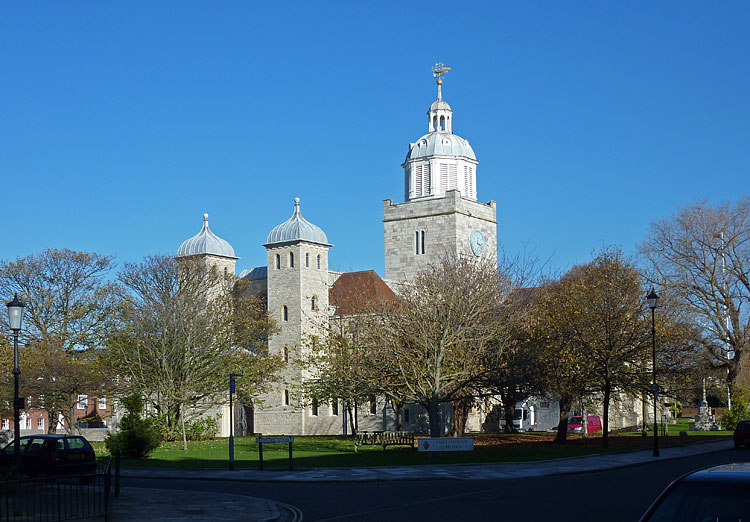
{"x": 206, "y": 242}
{"x": 297, "y": 228}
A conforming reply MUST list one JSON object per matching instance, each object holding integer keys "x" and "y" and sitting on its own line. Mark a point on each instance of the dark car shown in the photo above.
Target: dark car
{"x": 742, "y": 434}
{"x": 716, "y": 493}
{"x": 52, "y": 454}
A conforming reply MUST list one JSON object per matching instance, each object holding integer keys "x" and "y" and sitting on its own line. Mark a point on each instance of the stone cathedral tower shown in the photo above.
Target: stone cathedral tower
{"x": 440, "y": 212}
{"x": 297, "y": 283}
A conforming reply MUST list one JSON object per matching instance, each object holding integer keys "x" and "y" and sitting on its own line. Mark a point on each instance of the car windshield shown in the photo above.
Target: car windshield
{"x": 574, "y": 420}
{"x": 744, "y": 425}
{"x": 699, "y": 502}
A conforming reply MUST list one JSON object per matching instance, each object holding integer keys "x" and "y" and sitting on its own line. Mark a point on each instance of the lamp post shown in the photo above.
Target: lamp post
{"x": 231, "y": 419}
{"x": 15, "y": 318}
{"x": 652, "y": 299}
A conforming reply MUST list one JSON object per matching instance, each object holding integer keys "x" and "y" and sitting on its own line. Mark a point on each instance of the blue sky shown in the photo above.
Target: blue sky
{"x": 121, "y": 125}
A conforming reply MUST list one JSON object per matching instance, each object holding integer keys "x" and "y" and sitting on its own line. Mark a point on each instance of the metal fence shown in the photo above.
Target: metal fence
{"x": 58, "y": 498}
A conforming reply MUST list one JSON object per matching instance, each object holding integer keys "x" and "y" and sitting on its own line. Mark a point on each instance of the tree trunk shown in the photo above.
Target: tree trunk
{"x": 432, "y": 413}
{"x": 184, "y": 434}
{"x": 562, "y": 426}
{"x": 351, "y": 418}
{"x": 644, "y": 413}
{"x": 461, "y": 409}
{"x": 509, "y": 410}
{"x": 397, "y": 406}
{"x": 605, "y": 414}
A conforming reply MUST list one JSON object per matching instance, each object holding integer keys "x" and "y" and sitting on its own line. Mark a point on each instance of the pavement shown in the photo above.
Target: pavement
{"x": 141, "y": 504}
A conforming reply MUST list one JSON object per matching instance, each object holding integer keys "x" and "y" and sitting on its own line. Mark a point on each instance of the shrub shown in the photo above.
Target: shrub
{"x": 740, "y": 410}
{"x": 137, "y": 436}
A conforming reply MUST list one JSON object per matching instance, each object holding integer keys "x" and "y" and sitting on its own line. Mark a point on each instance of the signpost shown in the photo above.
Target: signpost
{"x": 270, "y": 440}
{"x": 231, "y": 418}
{"x": 446, "y": 444}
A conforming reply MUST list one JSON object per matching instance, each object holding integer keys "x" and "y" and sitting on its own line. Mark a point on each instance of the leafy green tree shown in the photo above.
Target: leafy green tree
{"x": 184, "y": 328}
{"x": 69, "y": 301}
{"x": 595, "y": 317}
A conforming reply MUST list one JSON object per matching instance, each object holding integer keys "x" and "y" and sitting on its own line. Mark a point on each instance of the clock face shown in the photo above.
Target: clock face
{"x": 477, "y": 243}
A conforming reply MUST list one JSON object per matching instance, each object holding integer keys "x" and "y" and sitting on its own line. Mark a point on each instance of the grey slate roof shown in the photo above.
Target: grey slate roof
{"x": 296, "y": 228}
{"x": 253, "y": 274}
{"x": 206, "y": 242}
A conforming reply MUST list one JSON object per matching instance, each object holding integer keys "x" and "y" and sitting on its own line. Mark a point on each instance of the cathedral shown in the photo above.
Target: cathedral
{"x": 440, "y": 213}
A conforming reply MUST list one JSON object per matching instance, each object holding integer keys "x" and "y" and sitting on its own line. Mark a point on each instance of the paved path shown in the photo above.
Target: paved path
{"x": 156, "y": 504}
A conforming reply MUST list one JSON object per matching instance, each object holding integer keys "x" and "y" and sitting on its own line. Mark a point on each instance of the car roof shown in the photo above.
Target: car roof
{"x": 735, "y": 472}
{"x": 50, "y": 436}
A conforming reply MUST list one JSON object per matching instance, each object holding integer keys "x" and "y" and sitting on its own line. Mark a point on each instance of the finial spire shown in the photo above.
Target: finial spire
{"x": 438, "y": 70}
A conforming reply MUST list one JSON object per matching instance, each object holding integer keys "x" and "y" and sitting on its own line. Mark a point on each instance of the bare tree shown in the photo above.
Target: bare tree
{"x": 702, "y": 254}
{"x": 439, "y": 333}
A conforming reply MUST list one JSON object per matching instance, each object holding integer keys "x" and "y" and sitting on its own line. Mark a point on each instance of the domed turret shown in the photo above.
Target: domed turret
{"x": 206, "y": 243}
{"x": 440, "y": 161}
{"x": 296, "y": 228}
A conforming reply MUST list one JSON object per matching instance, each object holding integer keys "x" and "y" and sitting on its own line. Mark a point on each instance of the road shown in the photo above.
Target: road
{"x": 619, "y": 495}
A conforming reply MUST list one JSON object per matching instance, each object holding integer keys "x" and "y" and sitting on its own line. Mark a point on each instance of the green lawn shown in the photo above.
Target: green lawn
{"x": 323, "y": 452}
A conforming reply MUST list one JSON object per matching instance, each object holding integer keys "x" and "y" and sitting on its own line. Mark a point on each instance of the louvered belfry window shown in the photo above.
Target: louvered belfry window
{"x": 452, "y": 177}
{"x": 443, "y": 177}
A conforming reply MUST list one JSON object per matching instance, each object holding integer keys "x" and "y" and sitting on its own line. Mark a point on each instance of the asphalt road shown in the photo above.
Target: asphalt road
{"x": 619, "y": 495}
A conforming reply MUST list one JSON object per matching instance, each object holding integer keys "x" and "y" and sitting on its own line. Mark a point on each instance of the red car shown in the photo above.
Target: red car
{"x": 742, "y": 434}
{"x": 575, "y": 424}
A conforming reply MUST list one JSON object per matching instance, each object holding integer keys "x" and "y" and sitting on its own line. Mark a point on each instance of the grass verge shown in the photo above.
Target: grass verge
{"x": 338, "y": 451}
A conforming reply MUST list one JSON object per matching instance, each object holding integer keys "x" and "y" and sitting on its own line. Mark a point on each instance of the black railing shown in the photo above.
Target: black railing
{"x": 58, "y": 498}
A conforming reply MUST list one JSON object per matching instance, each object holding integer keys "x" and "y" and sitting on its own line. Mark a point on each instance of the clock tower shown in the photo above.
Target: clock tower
{"x": 440, "y": 213}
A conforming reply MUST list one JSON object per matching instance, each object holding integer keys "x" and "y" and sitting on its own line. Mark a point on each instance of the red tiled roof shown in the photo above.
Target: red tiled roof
{"x": 354, "y": 291}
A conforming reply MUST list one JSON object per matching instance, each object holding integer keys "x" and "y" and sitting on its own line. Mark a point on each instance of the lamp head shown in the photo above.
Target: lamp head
{"x": 652, "y": 299}
{"x": 15, "y": 313}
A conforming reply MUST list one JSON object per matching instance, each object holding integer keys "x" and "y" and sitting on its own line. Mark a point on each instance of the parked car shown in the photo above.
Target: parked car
{"x": 715, "y": 493}
{"x": 575, "y": 424}
{"x": 52, "y": 454}
{"x": 742, "y": 434}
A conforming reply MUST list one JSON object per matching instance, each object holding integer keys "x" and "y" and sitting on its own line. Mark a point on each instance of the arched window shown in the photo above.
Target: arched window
{"x": 314, "y": 303}
{"x": 318, "y": 261}
{"x": 286, "y": 397}
{"x": 373, "y": 406}
{"x": 335, "y": 407}
{"x": 225, "y": 272}
{"x": 286, "y": 354}
{"x": 307, "y": 260}
{"x": 442, "y": 123}
{"x": 291, "y": 259}
{"x": 284, "y": 313}
{"x": 315, "y": 407}
{"x": 278, "y": 261}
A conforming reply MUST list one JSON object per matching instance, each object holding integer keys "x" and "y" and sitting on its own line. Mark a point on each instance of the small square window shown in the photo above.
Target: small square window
{"x": 83, "y": 402}
{"x": 6, "y": 424}
{"x": 102, "y": 403}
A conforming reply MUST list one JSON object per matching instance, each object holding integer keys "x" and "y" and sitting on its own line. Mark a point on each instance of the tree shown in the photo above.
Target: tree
{"x": 702, "y": 255}
{"x": 596, "y": 319}
{"x": 440, "y": 331}
{"x": 67, "y": 317}
{"x": 184, "y": 328}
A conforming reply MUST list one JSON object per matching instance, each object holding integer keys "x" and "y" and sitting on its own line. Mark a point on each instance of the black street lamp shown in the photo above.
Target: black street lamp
{"x": 652, "y": 299}
{"x": 231, "y": 418}
{"x": 15, "y": 318}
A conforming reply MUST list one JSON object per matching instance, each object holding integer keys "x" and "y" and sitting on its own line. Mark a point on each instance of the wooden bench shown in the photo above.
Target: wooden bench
{"x": 384, "y": 438}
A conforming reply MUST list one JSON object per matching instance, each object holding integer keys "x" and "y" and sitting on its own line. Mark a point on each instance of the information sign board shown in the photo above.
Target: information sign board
{"x": 260, "y": 440}
{"x": 446, "y": 444}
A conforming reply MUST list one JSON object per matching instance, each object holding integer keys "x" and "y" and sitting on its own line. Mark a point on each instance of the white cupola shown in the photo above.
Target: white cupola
{"x": 440, "y": 160}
